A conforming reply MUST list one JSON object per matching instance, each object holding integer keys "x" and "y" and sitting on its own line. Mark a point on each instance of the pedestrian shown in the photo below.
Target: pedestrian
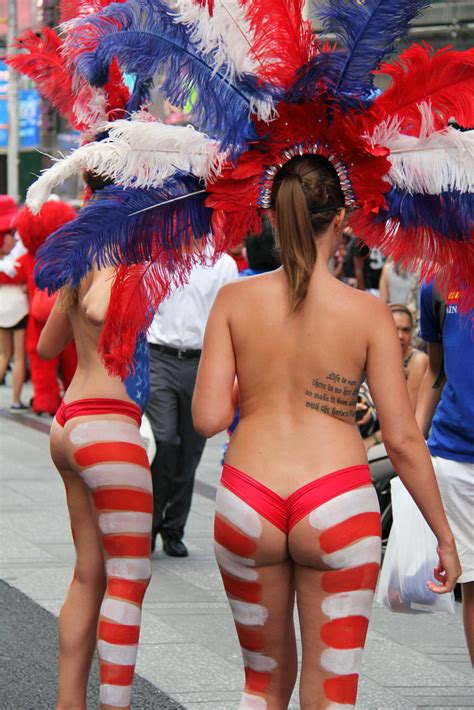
{"x": 446, "y": 405}
{"x": 297, "y": 518}
{"x": 175, "y": 341}
{"x": 97, "y": 448}
{"x": 13, "y": 304}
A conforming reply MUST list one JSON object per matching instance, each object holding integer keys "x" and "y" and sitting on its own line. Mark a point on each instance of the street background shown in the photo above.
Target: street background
{"x": 189, "y": 655}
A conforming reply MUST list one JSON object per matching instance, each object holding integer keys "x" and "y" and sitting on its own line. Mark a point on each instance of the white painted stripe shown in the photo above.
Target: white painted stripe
{"x": 336, "y": 510}
{"x": 252, "y": 702}
{"x": 258, "y": 662}
{"x": 129, "y": 567}
{"x": 235, "y": 565}
{"x": 356, "y": 603}
{"x": 237, "y": 512}
{"x": 120, "y": 474}
{"x": 248, "y": 614}
{"x": 110, "y": 430}
{"x": 125, "y": 655}
{"x": 121, "y": 612}
{"x": 339, "y": 706}
{"x": 125, "y": 522}
{"x": 118, "y": 695}
{"x": 360, "y": 553}
{"x": 342, "y": 661}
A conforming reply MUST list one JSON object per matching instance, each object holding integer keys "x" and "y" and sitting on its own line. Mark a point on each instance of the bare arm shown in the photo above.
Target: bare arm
{"x": 403, "y": 440}
{"x": 416, "y": 371}
{"x": 56, "y": 334}
{"x": 428, "y": 398}
{"x": 95, "y": 302}
{"x": 216, "y": 393}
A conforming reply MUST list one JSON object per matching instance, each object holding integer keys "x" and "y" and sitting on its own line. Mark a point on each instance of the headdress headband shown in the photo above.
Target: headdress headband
{"x": 262, "y": 88}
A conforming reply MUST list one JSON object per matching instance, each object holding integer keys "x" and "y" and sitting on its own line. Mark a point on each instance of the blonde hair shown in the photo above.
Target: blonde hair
{"x": 306, "y": 197}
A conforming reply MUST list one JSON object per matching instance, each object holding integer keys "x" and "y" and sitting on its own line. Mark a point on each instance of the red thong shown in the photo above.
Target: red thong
{"x": 97, "y": 406}
{"x": 285, "y": 513}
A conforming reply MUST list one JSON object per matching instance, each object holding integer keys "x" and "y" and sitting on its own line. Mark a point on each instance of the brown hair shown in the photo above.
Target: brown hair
{"x": 400, "y": 308}
{"x": 306, "y": 197}
{"x": 95, "y": 181}
{"x": 68, "y": 297}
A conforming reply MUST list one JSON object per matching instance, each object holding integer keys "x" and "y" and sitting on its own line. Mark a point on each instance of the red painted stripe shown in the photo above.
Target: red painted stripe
{"x": 255, "y": 681}
{"x": 247, "y": 591}
{"x": 127, "y": 545}
{"x": 349, "y": 632}
{"x": 250, "y": 639}
{"x": 350, "y": 580}
{"x": 232, "y": 539}
{"x": 127, "y": 589}
{"x": 123, "y": 499}
{"x": 116, "y": 675}
{"x": 111, "y": 451}
{"x": 347, "y": 532}
{"x": 118, "y": 633}
{"x": 342, "y": 689}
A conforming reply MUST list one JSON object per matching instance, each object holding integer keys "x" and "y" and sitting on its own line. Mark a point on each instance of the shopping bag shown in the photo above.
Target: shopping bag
{"x": 409, "y": 561}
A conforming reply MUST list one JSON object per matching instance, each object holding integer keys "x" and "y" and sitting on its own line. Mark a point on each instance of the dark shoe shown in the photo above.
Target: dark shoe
{"x": 174, "y": 548}
{"x": 20, "y": 407}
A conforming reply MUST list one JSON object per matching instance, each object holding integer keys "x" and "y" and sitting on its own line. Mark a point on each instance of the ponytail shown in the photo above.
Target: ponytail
{"x": 295, "y": 236}
{"x": 306, "y": 196}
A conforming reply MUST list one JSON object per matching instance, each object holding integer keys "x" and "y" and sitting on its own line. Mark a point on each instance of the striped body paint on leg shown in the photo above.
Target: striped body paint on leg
{"x": 237, "y": 529}
{"x": 114, "y": 466}
{"x": 349, "y": 527}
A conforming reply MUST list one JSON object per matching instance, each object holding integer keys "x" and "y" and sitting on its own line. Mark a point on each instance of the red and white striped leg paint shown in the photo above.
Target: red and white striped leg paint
{"x": 349, "y": 527}
{"x": 237, "y": 529}
{"x": 115, "y": 467}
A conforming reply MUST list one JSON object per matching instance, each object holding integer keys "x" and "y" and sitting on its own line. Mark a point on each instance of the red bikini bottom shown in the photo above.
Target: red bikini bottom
{"x": 96, "y": 406}
{"x": 284, "y": 513}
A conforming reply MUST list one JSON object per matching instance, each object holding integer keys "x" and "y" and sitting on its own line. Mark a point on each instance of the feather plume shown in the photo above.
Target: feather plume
{"x": 45, "y": 65}
{"x": 125, "y": 226}
{"x": 444, "y": 78}
{"x": 431, "y": 163}
{"x": 70, "y": 11}
{"x": 136, "y": 153}
{"x": 283, "y": 40}
{"x": 367, "y": 31}
{"x": 226, "y": 35}
{"x": 144, "y": 37}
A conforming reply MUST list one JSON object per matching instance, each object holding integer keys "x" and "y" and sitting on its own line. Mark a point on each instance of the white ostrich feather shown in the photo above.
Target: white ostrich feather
{"x": 433, "y": 162}
{"x": 136, "y": 153}
{"x": 229, "y": 38}
{"x": 227, "y": 34}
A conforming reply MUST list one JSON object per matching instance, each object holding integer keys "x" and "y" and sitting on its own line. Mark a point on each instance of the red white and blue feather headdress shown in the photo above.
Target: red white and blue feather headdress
{"x": 263, "y": 88}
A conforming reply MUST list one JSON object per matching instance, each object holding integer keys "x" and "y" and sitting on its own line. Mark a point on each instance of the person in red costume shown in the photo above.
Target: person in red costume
{"x": 33, "y": 231}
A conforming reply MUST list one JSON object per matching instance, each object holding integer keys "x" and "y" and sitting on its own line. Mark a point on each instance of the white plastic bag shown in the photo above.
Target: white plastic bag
{"x": 409, "y": 560}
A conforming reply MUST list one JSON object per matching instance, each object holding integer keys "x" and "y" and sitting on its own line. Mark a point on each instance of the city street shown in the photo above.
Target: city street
{"x": 189, "y": 655}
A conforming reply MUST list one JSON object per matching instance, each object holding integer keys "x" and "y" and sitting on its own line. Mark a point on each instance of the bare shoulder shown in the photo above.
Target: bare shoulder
{"x": 369, "y": 306}
{"x": 249, "y": 286}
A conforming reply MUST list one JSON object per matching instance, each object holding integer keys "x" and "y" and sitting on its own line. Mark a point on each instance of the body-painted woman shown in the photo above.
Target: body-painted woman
{"x": 297, "y": 518}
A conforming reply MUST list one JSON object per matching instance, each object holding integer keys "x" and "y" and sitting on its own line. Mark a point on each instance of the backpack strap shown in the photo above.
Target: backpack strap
{"x": 439, "y": 311}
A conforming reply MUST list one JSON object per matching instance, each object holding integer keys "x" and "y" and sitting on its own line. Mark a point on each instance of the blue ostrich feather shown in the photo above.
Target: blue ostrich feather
{"x": 109, "y": 233}
{"x": 144, "y": 38}
{"x": 449, "y": 214}
{"x": 367, "y": 32}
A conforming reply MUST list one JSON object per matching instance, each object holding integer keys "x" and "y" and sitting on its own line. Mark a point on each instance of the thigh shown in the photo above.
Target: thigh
{"x": 257, "y": 573}
{"x": 162, "y": 408}
{"x": 337, "y": 552}
{"x": 19, "y": 344}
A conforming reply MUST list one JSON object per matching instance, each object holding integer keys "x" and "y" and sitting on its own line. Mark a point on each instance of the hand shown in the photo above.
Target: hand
{"x": 367, "y": 416}
{"x": 447, "y": 571}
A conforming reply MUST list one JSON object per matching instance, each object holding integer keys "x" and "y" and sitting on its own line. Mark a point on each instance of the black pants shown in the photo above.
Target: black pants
{"x": 179, "y": 446}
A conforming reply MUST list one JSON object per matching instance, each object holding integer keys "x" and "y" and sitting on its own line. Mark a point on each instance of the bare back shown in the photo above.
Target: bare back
{"x": 91, "y": 379}
{"x": 298, "y": 378}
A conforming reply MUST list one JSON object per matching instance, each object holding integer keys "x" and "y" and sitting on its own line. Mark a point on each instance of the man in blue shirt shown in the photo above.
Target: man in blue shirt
{"x": 449, "y": 409}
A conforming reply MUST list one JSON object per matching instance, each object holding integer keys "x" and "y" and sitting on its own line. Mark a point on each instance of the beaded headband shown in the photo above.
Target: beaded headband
{"x": 268, "y": 177}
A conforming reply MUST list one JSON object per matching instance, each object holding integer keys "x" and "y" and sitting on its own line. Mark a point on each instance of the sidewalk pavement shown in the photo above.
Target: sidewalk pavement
{"x": 188, "y": 647}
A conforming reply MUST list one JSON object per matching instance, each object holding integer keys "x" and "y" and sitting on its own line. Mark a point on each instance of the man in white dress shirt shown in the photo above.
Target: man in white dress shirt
{"x": 175, "y": 338}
